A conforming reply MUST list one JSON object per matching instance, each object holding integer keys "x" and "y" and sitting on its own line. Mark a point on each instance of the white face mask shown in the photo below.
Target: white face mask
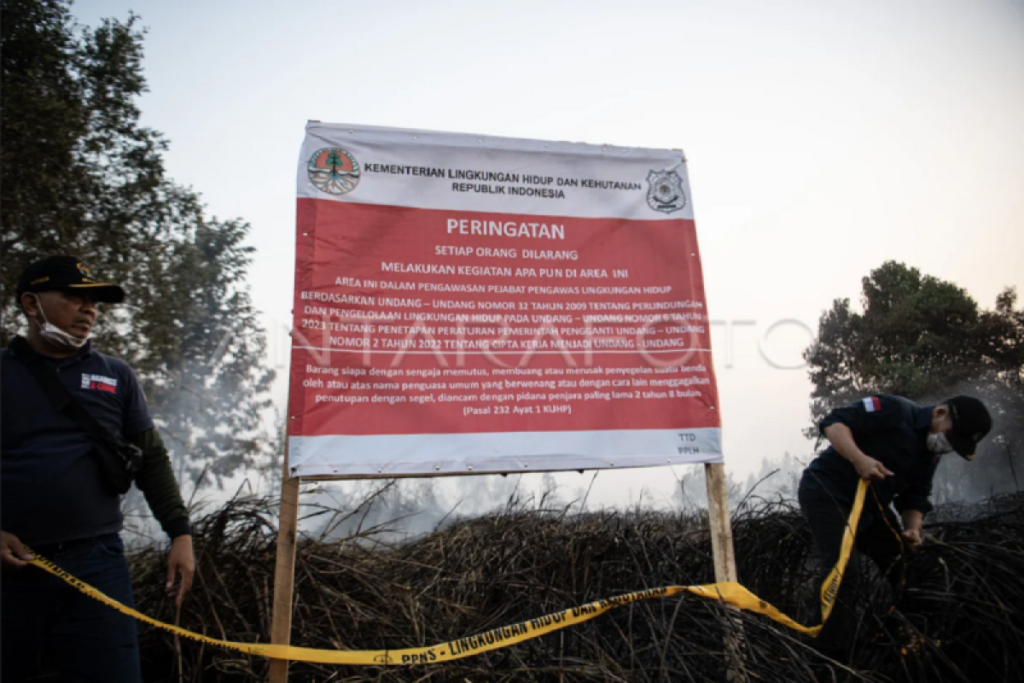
{"x": 56, "y": 336}
{"x": 938, "y": 444}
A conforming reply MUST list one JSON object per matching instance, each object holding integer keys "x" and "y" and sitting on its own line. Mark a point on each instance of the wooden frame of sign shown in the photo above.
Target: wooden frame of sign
{"x": 284, "y": 578}
{"x": 284, "y": 571}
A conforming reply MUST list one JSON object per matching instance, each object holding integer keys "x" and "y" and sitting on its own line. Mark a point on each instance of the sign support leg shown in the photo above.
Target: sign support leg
{"x": 721, "y": 528}
{"x": 284, "y": 570}
{"x": 725, "y": 562}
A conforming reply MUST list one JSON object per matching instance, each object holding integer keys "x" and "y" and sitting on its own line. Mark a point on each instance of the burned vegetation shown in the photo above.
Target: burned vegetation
{"x": 960, "y": 618}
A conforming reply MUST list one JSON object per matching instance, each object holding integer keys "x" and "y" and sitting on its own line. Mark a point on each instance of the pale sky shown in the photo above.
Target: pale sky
{"x": 823, "y": 138}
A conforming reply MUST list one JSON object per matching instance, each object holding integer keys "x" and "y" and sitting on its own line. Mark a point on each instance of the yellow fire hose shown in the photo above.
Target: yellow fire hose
{"x": 728, "y": 591}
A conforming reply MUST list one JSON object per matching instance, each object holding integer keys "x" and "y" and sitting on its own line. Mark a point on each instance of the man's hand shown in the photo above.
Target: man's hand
{"x": 841, "y": 438}
{"x": 12, "y": 552}
{"x": 912, "y": 538}
{"x": 180, "y": 561}
{"x": 871, "y": 469}
{"x": 912, "y": 522}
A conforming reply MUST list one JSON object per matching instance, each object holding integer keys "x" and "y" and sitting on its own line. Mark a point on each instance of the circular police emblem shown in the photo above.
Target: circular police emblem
{"x": 665, "y": 191}
{"x": 333, "y": 170}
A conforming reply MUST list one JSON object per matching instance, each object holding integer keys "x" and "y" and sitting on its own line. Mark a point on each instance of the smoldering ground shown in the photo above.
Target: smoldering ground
{"x": 959, "y": 619}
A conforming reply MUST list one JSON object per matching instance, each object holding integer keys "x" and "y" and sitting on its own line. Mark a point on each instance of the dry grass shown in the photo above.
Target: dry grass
{"x": 966, "y": 601}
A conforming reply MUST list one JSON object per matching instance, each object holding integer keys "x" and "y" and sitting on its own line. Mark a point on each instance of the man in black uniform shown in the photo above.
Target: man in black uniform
{"x": 897, "y": 445}
{"x": 57, "y": 492}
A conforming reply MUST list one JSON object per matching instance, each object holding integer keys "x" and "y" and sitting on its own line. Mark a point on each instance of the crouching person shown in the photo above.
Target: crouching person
{"x": 896, "y": 445}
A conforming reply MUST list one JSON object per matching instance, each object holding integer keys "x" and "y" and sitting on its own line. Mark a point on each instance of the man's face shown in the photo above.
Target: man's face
{"x": 73, "y": 312}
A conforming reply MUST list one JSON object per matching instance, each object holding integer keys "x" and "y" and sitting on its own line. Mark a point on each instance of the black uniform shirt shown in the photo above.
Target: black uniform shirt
{"x": 52, "y": 488}
{"x": 892, "y": 430}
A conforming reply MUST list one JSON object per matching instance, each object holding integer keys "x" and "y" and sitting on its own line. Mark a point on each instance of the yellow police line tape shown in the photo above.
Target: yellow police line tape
{"x": 503, "y": 636}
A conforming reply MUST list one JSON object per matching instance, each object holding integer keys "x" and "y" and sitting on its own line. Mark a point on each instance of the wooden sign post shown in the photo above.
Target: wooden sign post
{"x": 725, "y": 561}
{"x": 721, "y": 528}
{"x": 284, "y": 569}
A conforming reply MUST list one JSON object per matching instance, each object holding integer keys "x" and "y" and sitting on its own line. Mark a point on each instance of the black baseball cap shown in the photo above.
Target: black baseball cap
{"x": 971, "y": 422}
{"x": 67, "y": 273}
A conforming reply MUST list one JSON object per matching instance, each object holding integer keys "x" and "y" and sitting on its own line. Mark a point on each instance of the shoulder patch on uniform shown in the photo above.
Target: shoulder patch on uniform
{"x": 872, "y": 404}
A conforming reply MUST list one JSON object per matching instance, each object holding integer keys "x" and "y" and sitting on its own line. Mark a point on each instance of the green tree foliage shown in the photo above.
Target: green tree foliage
{"x": 927, "y": 339}
{"x": 82, "y": 176}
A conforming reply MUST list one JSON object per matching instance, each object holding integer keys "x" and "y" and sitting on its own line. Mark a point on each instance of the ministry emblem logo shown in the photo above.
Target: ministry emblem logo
{"x": 333, "y": 170}
{"x": 666, "y": 191}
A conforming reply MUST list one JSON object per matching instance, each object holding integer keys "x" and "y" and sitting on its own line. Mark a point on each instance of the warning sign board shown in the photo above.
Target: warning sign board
{"x": 479, "y": 304}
